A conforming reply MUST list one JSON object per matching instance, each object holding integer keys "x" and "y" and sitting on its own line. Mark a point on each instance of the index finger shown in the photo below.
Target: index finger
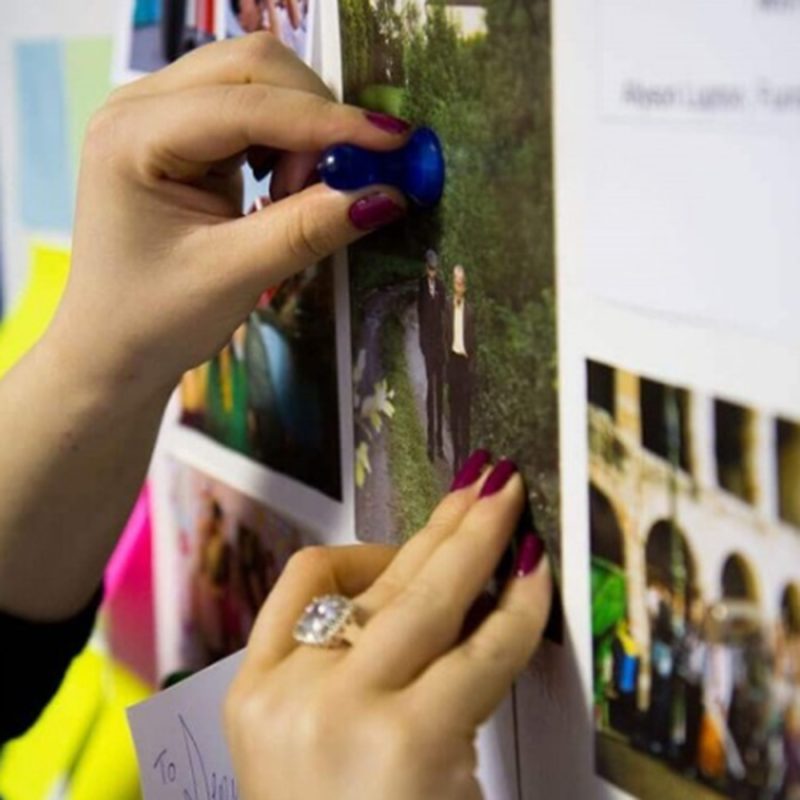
{"x": 255, "y": 58}
{"x": 443, "y": 523}
{"x": 210, "y": 124}
{"x": 472, "y": 679}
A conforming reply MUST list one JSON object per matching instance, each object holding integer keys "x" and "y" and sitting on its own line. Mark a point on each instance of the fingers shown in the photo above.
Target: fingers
{"x": 311, "y": 572}
{"x": 424, "y": 621}
{"x": 263, "y": 248}
{"x": 293, "y": 172}
{"x": 473, "y": 678}
{"x": 259, "y": 58}
{"x": 256, "y": 58}
{"x": 178, "y": 134}
{"x": 443, "y": 523}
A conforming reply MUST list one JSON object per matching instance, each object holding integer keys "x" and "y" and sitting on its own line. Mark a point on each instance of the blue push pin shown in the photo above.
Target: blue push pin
{"x": 417, "y": 169}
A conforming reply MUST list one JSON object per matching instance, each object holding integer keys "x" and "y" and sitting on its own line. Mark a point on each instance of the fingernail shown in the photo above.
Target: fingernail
{"x": 530, "y": 554}
{"x": 374, "y": 210}
{"x": 387, "y": 123}
{"x": 471, "y": 470}
{"x": 498, "y": 477}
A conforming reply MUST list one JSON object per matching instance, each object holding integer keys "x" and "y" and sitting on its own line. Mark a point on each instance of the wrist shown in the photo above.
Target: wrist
{"x": 99, "y": 370}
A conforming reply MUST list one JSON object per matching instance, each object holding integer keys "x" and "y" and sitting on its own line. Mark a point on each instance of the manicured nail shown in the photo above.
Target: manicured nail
{"x": 530, "y": 554}
{"x": 374, "y": 210}
{"x": 498, "y": 477}
{"x": 387, "y": 123}
{"x": 471, "y": 471}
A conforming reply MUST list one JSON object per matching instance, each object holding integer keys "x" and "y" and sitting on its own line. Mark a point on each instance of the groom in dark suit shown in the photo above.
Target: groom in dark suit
{"x": 430, "y": 311}
{"x": 461, "y": 359}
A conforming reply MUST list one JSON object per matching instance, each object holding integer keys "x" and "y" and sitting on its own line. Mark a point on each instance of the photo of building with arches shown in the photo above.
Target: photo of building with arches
{"x": 695, "y": 579}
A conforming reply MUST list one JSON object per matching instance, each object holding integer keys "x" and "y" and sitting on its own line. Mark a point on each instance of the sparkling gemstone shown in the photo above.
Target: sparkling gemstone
{"x": 322, "y": 619}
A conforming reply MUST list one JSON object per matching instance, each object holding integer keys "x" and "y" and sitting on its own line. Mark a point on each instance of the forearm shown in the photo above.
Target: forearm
{"x": 76, "y": 446}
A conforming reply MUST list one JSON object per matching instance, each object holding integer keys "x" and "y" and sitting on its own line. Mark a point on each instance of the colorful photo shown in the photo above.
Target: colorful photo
{"x": 695, "y": 587}
{"x": 231, "y": 550}
{"x": 163, "y": 30}
{"x": 454, "y": 329}
{"x": 272, "y": 392}
{"x": 289, "y": 20}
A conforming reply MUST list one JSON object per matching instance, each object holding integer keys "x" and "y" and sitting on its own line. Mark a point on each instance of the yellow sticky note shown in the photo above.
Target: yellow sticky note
{"x": 29, "y": 317}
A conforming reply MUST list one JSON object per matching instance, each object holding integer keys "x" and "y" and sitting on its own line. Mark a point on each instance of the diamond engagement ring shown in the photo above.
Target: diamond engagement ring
{"x": 328, "y": 621}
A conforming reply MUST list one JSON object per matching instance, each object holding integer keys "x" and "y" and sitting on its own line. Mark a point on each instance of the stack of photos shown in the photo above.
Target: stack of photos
{"x": 289, "y": 20}
{"x": 159, "y": 31}
{"x": 695, "y": 542}
{"x": 454, "y": 337}
{"x": 271, "y": 393}
{"x": 231, "y": 551}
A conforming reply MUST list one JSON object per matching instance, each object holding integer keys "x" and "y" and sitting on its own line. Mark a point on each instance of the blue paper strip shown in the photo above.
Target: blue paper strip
{"x": 43, "y": 154}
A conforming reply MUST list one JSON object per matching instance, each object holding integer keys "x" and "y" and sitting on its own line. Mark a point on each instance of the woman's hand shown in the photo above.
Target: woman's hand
{"x": 164, "y": 265}
{"x": 164, "y": 269}
{"x": 395, "y": 716}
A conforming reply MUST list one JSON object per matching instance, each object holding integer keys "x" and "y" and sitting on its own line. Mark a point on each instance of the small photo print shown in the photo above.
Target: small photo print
{"x": 454, "y": 311}
{"x": 289, "y": 20}
{"x": 695, "y": 589}
{"x": 271, "y": 393}
{"x": 230, "y": 552}
{"x": 160, "y": 31}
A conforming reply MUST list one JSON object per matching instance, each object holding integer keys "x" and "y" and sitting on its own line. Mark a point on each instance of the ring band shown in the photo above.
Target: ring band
{"x": 328, "y": 621}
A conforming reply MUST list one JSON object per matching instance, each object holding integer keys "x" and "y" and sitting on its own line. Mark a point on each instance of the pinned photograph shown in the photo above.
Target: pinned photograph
{"x": 695, "y": 590}
{"x": 157, "y": 32}
{"x": 289, "y": 20}
{"x": 231, "y": 551}
{"x": 453, "y": 311}
{"x": 271, "y": 393}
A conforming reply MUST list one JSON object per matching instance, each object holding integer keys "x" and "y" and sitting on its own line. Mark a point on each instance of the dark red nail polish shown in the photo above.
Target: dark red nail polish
{"x": 498, "y": 477}
{"x": 471, "y": 470}
{"x": 387, "y": 123}
{"x": 374, "y": 210}
{"x": 530, "y": 554}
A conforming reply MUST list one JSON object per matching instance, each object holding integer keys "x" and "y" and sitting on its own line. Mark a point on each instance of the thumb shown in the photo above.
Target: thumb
{"x": 269, "y": 245}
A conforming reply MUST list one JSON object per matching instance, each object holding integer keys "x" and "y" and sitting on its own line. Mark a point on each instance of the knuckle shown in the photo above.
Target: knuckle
{"x": 127, "y": 90}
{"x": 379, "y": 594}
{"x": 318, "y": 723}
{"x": 252, "y": 698}
{"x": 465, "y": 785}
{"x": 238, "y": 707}
{"x": 236, "y": 101}
{"x": 329, "y": 119}
{"x": 232, "y": 705}
{"x": 102, "y": 132}
{"x": 396, "y": 736}
{"x": 443, "y": 520}
{"x": 491, "y": 649}
{"x": 386, "y": 586}
{"x": 435, "y": 604}
{"x": 260, "y": 46}
{"x": 309, "y": 240}
{"x": 313, "y": 559}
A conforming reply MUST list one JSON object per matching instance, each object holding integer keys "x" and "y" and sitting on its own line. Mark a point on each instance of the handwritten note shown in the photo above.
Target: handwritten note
{"x": 179, "y": 740}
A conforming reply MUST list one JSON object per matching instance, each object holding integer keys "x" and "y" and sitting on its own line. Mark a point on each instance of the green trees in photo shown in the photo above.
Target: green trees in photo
{"x": 488, "y": 98}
